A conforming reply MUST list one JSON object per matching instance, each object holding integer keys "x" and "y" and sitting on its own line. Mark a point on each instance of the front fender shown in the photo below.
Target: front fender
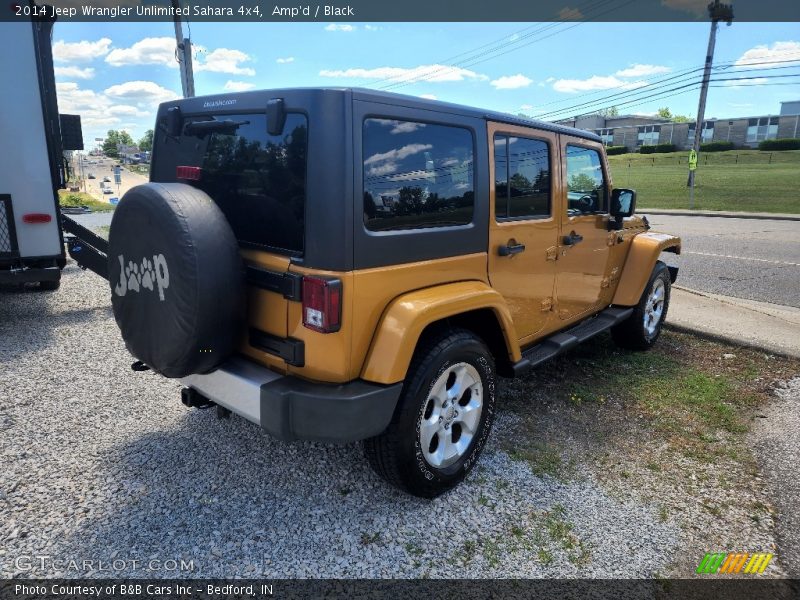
{"x": 642, "y": 256}
{"x": 407, "y": 316}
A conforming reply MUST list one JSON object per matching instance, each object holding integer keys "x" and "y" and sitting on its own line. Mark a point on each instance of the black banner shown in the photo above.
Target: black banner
{"x": 634, "y": 589}
{"x": 259, "y": 11}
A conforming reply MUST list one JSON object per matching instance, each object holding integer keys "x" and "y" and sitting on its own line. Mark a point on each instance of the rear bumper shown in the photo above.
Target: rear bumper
{"x": 290, "y": 408}
{"x": 30, "y": 275}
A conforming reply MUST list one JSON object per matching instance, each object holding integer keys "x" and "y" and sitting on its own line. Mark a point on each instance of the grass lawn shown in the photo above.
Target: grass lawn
{"x": 67, "y": 198}
{"x": 750, "y": 183}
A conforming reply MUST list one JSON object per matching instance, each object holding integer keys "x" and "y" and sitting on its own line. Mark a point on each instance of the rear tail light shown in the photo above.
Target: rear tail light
{"x": 322, "y": 304}
{"x": 190, "y": 173}
{"x": 33, "y": 218}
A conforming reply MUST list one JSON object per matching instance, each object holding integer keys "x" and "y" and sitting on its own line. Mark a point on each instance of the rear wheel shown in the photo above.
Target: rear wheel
{"x": 443, "y": 418}
{"x": 641, "y": 330}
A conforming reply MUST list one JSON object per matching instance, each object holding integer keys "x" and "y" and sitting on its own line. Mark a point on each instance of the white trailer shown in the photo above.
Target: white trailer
{"x": 31, "y": 158}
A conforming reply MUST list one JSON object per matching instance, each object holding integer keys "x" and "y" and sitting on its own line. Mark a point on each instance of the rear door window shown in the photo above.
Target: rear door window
{"x": 416, "y": 175}
{"x": 258, "y": 180}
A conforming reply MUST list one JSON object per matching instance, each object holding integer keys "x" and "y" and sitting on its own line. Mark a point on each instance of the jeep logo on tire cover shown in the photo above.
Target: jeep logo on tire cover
{"x": 145, "y": 275}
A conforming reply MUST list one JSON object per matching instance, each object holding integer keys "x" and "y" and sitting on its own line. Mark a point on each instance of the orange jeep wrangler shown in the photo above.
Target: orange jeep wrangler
{"x": 344, "y": 264}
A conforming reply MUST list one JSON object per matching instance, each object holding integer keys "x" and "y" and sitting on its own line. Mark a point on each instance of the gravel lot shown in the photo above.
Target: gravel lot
{"x": 101, "y": 463}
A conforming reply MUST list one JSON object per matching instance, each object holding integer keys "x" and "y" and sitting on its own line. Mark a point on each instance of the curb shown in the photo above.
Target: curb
{"x": 720, "y": 214}
{"x": 716, "y": 337}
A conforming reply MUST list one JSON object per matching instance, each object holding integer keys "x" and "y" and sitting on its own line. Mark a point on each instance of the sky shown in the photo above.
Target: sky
{"x": 115, "y": 74}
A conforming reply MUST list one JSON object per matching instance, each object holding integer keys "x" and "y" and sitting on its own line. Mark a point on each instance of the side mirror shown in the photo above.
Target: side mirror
{"x": 276, "y": 116}
{"x": 174, "y": 124}
{"x": 623, "y": 204}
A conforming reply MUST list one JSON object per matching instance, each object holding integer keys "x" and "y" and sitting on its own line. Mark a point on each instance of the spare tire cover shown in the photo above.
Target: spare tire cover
{"x": 177, "y": 279}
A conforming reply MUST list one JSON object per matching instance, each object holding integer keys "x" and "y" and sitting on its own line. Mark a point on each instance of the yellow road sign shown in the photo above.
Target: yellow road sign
{"x": 692, "y": 160}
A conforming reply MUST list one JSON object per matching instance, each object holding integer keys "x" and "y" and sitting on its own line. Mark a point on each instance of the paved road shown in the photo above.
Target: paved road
{"x": 105, "y": 169}
{"x": 745, "y": 258}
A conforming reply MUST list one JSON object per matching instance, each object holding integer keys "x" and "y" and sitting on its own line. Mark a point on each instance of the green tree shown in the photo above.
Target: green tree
{"x": 666, "y": 113}
{"x": 612, "y": 111}
{"x": 113, "y": 138}
{"x": 146, "y": 141}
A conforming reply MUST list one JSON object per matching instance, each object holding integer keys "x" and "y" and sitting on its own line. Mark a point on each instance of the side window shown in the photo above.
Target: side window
{"x": 586, "y": 186}
{"x": 522, "y": 177}
{"x": 416, "y": 175}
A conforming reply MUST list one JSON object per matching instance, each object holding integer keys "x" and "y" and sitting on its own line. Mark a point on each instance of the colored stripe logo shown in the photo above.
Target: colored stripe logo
{"x": 734, "y": 562}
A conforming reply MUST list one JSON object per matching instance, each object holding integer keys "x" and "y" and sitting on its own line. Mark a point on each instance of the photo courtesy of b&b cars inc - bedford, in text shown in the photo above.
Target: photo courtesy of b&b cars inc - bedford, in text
{"x": 373, "y": 299}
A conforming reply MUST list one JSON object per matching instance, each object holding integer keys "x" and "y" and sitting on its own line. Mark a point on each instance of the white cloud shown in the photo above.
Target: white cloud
{"x": 74, "y": 72}
{"x": 82, "y": 51}
{"x": 638, "y": 70}
{"x": 283, "y": 61}
{"x": 570, "y": 14}
{"x": 161, "y": 51}
{"x": 511, "y": 82}
{"x": 781, "y": 51}
{"x": 527, "y": 107}
{"x": 125, "y": 110}
{"x": 595, "y": 82}
{"x": 429, "y": 96}
{"x": 372, "y": 28}
{"x": 339, "y": 27}
{"x": 433, "y": 73}
{"x": 225, "y": 60}
{"x": 746, "y": 82}
{"x": 145, "y": 92}
{"x": 550, "y": 80}
{"x": 238, "y": 86}
{"x": 149, "y": 51}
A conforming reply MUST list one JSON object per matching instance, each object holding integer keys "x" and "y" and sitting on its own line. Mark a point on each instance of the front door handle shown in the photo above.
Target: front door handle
{"x": 510, "y": 249}
{"x": 572, "y": 239}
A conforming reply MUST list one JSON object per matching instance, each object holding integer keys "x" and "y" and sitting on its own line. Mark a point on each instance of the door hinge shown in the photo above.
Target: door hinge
{"x": 547, "y": 304}
{"x": 551, "y": 253}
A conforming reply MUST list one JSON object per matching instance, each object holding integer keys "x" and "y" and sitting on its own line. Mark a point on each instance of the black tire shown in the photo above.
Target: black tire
{"x": 397, "y": 454}
{"x": 177, "y": 279}
{"x": 634, "y": 333}
{"x": 49, "y": 286}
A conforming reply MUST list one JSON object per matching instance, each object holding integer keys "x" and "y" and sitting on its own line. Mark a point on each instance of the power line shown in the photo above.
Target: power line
{"x": 657, "y": 79}
{"x": 643, "y": 89}
{"x": 491, "y": 54}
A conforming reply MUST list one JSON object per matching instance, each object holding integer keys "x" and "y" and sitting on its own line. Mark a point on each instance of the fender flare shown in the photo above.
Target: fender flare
{"x": 408, "y": 315}
{"x": 642, "y": 256}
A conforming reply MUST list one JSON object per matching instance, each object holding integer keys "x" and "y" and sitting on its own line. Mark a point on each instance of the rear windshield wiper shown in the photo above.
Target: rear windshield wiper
{"x": 203, "y": 127}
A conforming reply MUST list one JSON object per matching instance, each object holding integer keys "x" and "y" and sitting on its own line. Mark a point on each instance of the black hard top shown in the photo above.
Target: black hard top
{"x": 367, "y": 95}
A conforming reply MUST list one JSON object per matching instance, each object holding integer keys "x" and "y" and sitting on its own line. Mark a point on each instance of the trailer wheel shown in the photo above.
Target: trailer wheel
{"x": 49, "y": 286}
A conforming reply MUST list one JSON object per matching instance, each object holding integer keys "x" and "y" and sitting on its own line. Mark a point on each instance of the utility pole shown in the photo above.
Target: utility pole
{"x": 183, "y": 53}
{"x": 718, "y": 12}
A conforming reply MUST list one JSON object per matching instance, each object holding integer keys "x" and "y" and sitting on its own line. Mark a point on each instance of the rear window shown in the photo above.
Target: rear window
{"x": 258, "y": 180}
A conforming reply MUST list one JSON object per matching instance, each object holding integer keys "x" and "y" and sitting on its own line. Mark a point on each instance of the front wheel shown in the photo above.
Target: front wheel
{"x": 443, "y": 417}
{"x": 641, "y": 330}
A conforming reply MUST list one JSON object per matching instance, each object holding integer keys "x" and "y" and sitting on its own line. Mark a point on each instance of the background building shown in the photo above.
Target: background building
{"x": 634, "y": 131}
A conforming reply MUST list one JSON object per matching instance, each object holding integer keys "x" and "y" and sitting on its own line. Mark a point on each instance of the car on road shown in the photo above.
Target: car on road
{"x": 91, "y": 176}
{"x": 107, "y": 179}
{"x": 344, "y": 264}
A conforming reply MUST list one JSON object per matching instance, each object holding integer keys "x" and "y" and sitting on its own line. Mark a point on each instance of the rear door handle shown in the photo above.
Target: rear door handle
{"x": 572, "y": 239}
{"x": 510, "y": 249}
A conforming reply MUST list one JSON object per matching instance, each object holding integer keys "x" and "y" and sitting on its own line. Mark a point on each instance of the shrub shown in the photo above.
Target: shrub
{"x": 716, "y": 146}
{"x": 611, "y": 150}
{"x": 780, "y": 144}
{"x": 658, "y": 148}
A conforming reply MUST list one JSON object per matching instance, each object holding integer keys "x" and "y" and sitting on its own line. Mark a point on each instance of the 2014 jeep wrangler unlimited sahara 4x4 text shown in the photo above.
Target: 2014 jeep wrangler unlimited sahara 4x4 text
{"x": 343, "y": 264}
